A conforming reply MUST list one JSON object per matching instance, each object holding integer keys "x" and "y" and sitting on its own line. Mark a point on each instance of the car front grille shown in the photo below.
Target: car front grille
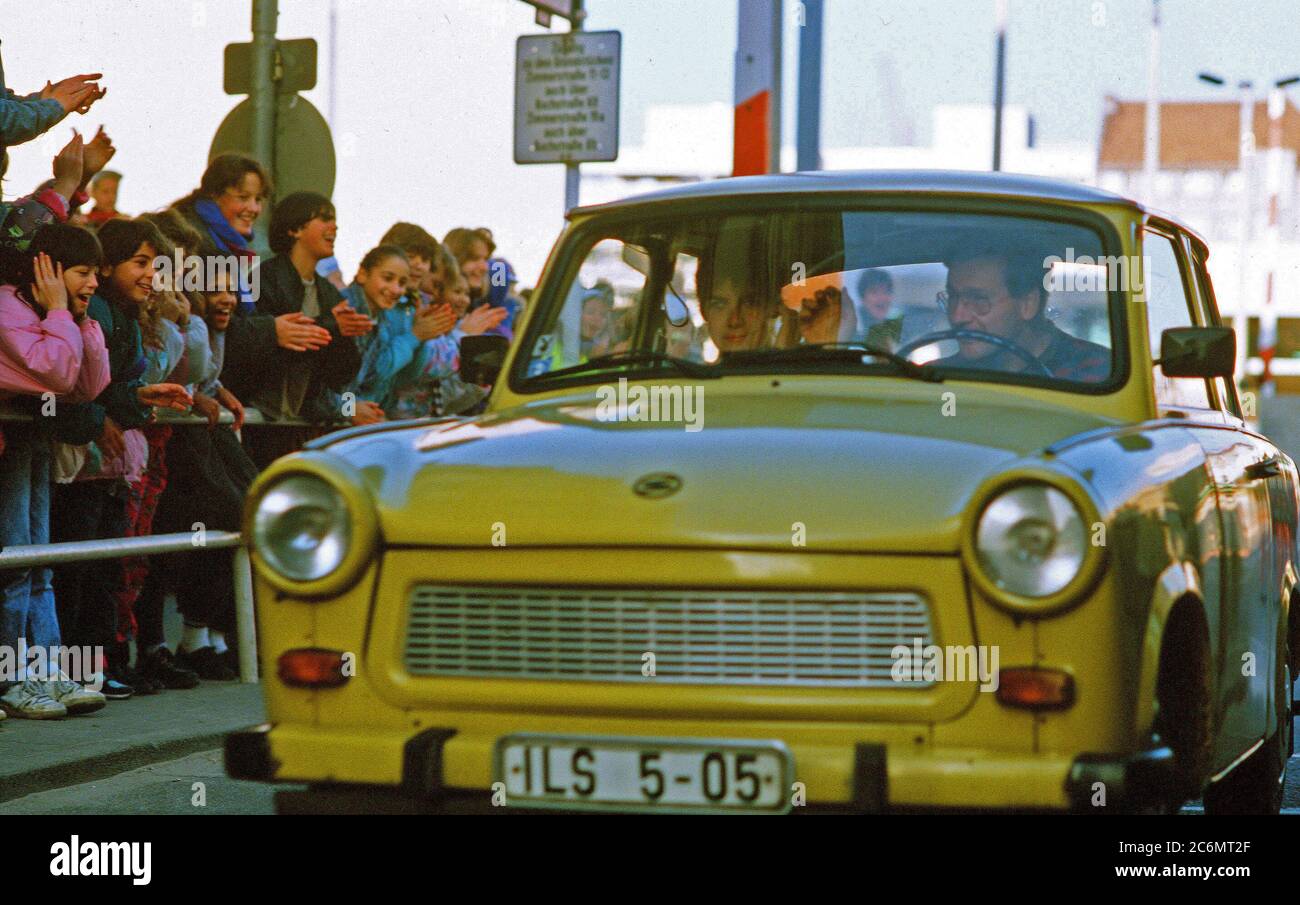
{"x": 702, "y": 637}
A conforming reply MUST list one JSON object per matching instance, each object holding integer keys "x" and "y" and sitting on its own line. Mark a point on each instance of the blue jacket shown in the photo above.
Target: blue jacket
{"x": 24, "y": 118}
{"x": 386, "y": 350}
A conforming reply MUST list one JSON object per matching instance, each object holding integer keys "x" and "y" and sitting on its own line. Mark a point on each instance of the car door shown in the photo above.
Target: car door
{"x": 1237, "y": 569}
{"x": 1275, "y": 472}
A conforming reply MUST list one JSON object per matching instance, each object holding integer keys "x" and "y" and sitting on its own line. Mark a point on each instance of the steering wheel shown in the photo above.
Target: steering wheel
{"x": 979, "y": 336}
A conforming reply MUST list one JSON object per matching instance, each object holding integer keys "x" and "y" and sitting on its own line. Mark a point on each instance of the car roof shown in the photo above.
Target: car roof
{"x": 955, "y": 182}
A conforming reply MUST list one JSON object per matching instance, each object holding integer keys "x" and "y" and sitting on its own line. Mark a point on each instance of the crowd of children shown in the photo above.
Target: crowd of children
{"x": 97, "y": 334}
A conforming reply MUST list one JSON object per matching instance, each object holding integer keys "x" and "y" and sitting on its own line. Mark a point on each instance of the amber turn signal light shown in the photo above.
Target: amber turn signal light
{"x": 311, "y": 667}
{"x": 1035, "y": 689}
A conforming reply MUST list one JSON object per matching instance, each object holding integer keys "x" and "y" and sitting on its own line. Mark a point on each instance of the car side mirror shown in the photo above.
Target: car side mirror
{"x": 481, "y": 357}
{"x": 1198, "y": 351}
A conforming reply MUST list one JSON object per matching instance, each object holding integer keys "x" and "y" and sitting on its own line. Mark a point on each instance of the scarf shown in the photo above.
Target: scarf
{"x": 227, "y": 239}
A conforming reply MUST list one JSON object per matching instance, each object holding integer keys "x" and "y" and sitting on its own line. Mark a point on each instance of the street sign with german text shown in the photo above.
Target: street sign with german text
{"x": 566, "y": 97}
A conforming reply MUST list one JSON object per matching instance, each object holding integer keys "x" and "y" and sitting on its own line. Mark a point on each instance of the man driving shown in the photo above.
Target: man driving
{"x": 1004, "y": 295}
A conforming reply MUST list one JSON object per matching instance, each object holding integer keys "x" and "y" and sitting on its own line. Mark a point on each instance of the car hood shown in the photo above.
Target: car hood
{"x": 830, "y": 474}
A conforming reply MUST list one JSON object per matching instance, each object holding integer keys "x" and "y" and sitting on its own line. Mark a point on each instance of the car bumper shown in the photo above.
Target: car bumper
{"x": 441, "y": 770}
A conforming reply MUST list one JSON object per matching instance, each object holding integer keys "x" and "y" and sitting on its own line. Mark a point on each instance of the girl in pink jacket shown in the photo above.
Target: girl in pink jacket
{"x": 49, "y": 351}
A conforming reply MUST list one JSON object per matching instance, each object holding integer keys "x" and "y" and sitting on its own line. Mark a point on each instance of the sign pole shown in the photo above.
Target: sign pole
{"x": 263, "y": 83}
{"x": 572, "y": 175}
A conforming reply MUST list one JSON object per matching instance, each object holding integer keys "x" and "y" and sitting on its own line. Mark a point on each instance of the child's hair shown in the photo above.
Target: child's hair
{"x": 105, "y": 175}
{"x": 379, "y": 254}
{"x": 461, "y": 239}
{"x": 294, "y": 212}
{"x": 224, "y": 172}
{"x": 414, "y": 240}
{"x": 66, "y": 244}
{"x": 121, "y": 238}
{"x": 174, "y": 227}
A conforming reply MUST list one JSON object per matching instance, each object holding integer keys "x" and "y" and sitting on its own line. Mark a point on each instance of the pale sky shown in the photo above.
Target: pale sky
{"x": 425, "y": 87}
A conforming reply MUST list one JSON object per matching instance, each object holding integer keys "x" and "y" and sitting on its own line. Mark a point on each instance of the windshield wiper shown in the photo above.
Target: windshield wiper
{"x": 847, "y": 353}
{"x": 682, "y": 365}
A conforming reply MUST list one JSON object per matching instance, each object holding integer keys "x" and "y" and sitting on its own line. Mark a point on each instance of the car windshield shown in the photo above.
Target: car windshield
{"x": 965, "y": 295}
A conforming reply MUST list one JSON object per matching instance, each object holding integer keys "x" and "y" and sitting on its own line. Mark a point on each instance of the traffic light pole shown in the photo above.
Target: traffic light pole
{"x": 265, "y": 13}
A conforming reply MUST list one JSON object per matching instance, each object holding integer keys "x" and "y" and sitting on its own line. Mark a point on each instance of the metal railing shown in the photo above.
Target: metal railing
{"x": 29, "y": 555}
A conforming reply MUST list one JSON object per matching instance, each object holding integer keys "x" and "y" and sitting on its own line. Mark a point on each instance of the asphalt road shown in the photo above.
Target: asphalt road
{"x": 197, "y": 785}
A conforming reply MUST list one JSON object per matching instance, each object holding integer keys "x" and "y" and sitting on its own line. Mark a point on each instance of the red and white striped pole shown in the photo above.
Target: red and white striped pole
{"x": 757, "y": 138}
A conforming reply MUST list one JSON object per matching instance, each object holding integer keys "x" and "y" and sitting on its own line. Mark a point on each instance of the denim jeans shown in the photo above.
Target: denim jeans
{"x": 28, "y": 606}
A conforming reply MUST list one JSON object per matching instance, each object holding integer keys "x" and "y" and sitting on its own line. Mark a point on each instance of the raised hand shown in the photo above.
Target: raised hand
{"x": 69, "y": 165}
{"x": 49, "y": 291}
{"x": 481, "y": 320}
{"x": 433, "y": 321}
{"x": 75, "y": 93}
{"x": 351, "y": 322}
{"x": 99, "y": 151}
{"x": 165, "y": 395}
{"x": 298, "y": 333}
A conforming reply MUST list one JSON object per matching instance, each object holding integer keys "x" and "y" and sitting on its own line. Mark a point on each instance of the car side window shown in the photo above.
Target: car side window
{"x": 1168, "y": 305}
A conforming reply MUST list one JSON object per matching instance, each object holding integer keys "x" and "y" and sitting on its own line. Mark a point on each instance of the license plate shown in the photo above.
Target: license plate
{"x": 644, "y": 774}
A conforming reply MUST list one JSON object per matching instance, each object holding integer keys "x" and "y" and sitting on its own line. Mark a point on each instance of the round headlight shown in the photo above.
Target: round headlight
{"x": 1031, "y": 540}
{"x": 302, "y": 528}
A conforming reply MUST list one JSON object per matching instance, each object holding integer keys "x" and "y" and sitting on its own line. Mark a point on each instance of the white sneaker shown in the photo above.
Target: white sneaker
{"x": 30, "y": 701}
{"x": 73, "y": 696}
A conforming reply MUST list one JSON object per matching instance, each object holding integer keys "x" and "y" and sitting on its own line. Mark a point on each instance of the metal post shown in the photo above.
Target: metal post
{"x": 334, "y": 56}
{"x": 1151, "y": 148}
{"x": 245, "y": 619}
{"x": 263, "y": 94}
{"x": 572, "y": 179}
{"x": 809, "y": 151}
{"x": 1246, "y": 156}
{"x": 572, "y": 174}
{"x": 999, "y": 84}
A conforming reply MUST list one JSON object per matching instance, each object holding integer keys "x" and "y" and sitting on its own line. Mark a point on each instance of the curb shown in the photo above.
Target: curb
{"x": 102, "y": 766}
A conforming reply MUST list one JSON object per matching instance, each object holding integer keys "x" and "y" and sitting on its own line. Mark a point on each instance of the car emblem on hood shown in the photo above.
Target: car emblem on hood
{"x": 657, "y": 485}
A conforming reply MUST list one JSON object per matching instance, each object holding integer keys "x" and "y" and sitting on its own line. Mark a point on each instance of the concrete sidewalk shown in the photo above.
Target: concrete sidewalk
{"x": 37, "y": 755}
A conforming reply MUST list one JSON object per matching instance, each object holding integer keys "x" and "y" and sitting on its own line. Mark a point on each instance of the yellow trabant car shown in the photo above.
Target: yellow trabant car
{"x": 859, "y": 491}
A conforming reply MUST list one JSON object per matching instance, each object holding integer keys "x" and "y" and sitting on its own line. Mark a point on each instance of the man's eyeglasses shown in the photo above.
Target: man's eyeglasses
{"x": 980, "y": 303}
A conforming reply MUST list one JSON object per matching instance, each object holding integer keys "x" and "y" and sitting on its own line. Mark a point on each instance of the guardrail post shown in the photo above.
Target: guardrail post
{"x": 247, "y": 623}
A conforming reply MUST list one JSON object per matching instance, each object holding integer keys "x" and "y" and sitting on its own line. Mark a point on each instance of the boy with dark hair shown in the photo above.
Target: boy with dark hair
{"x": 299, "y": 384}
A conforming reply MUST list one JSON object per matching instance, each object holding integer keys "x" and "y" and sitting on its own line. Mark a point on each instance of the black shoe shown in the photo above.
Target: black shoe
{"x": 142, "y": 684}
{"x": 116, "y": 690}
{"x": 230, "y": 657}
{"x": 160, "y": 668}
{"x": 207, "y": 663}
